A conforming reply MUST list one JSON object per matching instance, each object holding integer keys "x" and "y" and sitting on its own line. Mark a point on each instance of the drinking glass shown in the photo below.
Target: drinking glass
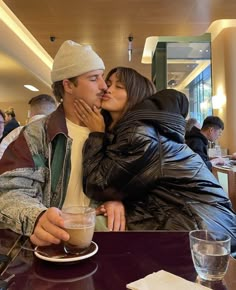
{"x": 210, "y": 253}
{"x": 79, "y": 222}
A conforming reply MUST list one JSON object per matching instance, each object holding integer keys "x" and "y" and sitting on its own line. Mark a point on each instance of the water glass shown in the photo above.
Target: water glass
{"x": 210, "y": 253}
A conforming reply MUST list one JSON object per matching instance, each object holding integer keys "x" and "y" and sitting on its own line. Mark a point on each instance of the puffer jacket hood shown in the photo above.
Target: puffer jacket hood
{"x": 168, "y": 115}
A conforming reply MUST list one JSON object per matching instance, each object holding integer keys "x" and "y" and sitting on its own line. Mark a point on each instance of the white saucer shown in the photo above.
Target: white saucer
{"x": 92, "y": 250}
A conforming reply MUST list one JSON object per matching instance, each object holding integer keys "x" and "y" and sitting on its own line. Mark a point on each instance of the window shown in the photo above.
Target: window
{"x": 185, "y": 65}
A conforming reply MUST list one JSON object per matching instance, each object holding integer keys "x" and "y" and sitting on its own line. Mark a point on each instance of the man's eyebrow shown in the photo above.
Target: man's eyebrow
{"x": 94, "y": 75}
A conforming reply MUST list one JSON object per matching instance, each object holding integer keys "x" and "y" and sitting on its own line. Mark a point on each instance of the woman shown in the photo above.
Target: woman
{"x": 142, "y": 160}
{"x": 11, "y": 122}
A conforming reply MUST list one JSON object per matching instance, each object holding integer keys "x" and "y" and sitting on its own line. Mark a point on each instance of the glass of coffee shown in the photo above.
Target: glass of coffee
{"x": 79, "y": 222}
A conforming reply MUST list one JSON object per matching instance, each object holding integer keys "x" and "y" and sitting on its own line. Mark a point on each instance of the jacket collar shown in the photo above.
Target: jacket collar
{"x": 56, "y": 123}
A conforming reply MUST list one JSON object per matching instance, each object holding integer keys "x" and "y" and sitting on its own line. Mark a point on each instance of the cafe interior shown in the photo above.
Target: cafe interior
{"x": 184, "y": 45}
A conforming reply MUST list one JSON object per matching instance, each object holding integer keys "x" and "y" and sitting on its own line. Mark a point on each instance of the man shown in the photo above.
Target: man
{"x": 197, "y": 139}
{"x": 40, "y": 106}
{"x": 40, "y": 172}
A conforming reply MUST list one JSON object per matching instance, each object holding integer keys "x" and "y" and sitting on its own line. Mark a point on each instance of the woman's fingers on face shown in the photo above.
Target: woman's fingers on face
{"x": 80, "y": 111}
{"x": 85, "y": 107}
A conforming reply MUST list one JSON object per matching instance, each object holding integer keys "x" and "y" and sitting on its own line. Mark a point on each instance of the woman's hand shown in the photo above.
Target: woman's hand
{"x": 115, "y": 212}
{"x": 91, "y": 118}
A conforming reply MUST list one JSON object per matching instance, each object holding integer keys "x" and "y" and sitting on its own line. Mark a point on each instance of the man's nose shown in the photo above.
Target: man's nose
{"x": 103, "y": 84}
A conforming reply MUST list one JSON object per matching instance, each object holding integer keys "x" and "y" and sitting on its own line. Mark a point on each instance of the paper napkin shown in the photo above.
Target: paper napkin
{"x": 163, "y": 280}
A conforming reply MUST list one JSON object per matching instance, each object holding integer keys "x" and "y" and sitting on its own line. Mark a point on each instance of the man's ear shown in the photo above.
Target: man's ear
{"x": 211, "y": 129}
{"x": 67, "y": 86}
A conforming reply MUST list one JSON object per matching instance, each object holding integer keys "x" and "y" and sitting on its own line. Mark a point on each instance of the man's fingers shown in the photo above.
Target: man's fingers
{"x": 49, "y": 228}
{"x": 36, "y": 241}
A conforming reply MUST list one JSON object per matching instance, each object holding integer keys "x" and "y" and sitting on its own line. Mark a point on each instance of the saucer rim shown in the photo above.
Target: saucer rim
{"x": 66, "y": 260}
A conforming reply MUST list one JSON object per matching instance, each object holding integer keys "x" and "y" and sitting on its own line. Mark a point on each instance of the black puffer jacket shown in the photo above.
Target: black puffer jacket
{"x": 164, "y": 185}
{"x": 198, "y": 143}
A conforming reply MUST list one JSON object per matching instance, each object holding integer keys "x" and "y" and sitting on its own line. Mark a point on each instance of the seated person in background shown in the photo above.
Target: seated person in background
{"x": 2, "y": 123}
{"x": 197, "y": 139}
{"x": 190, "y": 123}
{"x": 140, "y": 158}
{"x": 10, "y": 122}
{"x": 41, "y": 171}
{"x": 40, "y": 106}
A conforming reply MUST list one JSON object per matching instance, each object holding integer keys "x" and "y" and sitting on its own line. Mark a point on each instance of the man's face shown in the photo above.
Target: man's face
{"x": 90, "y": 88}
{"x": 214, "y": 134}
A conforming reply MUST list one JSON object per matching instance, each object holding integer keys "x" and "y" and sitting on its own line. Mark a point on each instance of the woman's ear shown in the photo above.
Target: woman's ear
{"x": 67, "y": 86}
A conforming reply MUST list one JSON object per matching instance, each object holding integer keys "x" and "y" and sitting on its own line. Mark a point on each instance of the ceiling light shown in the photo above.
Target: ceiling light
{"x": 149, "y": 49}
{"x": 16, "y": 26}
{"x": 172, "y": 83}
{"x": 31, "y": 88}
{"x": 130, "y": 39}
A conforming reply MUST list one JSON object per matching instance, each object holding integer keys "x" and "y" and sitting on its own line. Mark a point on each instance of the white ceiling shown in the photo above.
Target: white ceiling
{"x": 13, "y": 76}
{"x": 106, "y": 25}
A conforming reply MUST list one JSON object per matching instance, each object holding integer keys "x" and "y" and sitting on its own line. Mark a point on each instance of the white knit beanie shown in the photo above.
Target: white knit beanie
{"x": 74, "y": 59}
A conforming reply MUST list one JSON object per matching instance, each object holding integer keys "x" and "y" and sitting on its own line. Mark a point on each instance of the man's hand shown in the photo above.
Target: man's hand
{"x": 48, "y": 229}
{"x": 115, "y": 212}
{"x": 234, "y": 156}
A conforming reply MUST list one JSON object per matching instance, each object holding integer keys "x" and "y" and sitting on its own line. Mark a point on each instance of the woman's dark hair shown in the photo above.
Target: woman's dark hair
{"x": 137, "y": 86}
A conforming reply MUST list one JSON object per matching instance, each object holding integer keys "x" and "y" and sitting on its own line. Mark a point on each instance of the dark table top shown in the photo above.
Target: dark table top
{"x": 122, "y": 257}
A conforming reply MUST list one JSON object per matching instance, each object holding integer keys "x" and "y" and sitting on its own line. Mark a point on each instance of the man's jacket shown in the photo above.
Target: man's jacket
{"x": 34, "y": 172}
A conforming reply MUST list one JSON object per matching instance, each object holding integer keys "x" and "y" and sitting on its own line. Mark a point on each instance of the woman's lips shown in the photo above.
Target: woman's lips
{"x": 105, "y": 97}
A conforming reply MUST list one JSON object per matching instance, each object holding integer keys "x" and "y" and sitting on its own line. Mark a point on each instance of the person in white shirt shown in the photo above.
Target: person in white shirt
{"x": 40, "y": 172}
{"x": 40, "y": 106}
